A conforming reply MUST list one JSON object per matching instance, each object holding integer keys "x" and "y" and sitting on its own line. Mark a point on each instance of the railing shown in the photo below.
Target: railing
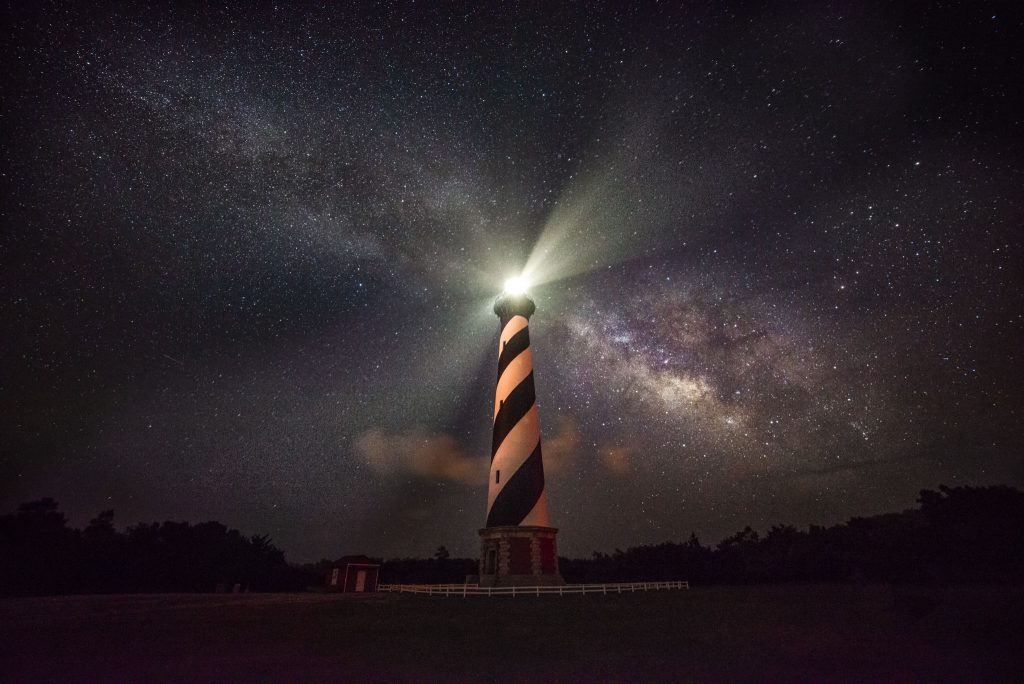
{"x": 477, "y": 590}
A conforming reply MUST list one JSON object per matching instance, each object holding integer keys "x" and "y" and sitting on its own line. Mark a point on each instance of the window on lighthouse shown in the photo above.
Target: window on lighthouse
{"x": 497, "y": 476}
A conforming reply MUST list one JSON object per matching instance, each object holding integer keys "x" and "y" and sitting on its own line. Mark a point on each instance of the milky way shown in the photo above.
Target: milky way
{"x": 249, "y": 255}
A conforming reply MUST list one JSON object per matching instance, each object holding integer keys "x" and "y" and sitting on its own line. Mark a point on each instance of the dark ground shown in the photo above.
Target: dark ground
{"x": 780, "y": 633}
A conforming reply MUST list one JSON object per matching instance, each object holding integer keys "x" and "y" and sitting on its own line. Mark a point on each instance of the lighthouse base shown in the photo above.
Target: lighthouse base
{"x": 519, "y": 556}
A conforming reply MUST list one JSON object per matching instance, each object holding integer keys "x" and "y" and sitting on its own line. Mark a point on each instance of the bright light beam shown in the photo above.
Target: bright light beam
{"x": 516, "y": 285}
{"x": 631, "y": 200}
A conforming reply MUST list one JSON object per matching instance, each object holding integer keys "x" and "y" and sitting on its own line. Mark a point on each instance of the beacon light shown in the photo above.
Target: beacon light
{"x": 515, "y": 285}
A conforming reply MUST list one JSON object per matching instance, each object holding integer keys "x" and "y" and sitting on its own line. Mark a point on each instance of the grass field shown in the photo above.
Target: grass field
{"x": 787, "y": 633}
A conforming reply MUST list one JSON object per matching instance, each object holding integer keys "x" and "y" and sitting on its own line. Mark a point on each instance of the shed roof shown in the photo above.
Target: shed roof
{"x": 356, "y": 560}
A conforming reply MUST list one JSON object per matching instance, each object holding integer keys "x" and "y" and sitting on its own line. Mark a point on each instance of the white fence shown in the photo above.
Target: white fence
{"x": 477, "y": 590}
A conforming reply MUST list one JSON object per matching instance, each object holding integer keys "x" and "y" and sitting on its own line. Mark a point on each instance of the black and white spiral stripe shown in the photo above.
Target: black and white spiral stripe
{"x": 516, "y": 493}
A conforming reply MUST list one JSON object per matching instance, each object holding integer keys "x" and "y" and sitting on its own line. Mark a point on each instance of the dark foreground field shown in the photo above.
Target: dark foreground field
{"x": 792, "y": 633}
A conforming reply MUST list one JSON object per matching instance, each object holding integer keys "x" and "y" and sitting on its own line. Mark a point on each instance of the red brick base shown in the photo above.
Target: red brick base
{"x": 518, "y": 556}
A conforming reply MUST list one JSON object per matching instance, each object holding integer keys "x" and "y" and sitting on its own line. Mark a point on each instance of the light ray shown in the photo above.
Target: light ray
{"x": 613, "y": 213}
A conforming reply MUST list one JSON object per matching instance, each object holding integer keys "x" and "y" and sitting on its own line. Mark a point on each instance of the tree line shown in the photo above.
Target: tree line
{"x": 961, "y": 534}
{"x": 40, "y": 554}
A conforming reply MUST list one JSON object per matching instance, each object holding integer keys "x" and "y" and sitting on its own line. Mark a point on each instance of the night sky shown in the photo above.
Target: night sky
{"x": 249, "y": 255}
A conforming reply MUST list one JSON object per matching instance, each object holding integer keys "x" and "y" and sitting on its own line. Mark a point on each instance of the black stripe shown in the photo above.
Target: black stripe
{"x": 512, "y": 410}
{"x": 513, "y": 347}
{"x": 520, "y": 494}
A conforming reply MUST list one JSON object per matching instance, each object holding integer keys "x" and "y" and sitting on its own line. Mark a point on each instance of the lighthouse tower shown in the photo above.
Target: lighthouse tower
{"x": 518, "y": 544}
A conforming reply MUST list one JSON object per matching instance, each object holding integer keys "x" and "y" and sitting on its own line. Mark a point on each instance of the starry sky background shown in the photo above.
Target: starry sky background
{"x": 248, "y": 257}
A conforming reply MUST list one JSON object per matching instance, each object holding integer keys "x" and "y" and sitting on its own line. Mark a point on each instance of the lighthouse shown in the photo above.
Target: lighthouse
{"x": 518, "y": 543}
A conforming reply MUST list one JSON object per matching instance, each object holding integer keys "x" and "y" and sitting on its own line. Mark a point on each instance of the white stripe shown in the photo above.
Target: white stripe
{"x": 513, "y": 452}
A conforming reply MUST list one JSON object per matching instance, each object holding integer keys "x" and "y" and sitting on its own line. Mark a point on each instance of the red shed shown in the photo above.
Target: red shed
{"x": 353, "y": 573}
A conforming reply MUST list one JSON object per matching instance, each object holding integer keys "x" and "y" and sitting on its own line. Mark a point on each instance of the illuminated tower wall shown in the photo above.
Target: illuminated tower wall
{"x": 518, "y": 543}
{"x": 515, "y": 494}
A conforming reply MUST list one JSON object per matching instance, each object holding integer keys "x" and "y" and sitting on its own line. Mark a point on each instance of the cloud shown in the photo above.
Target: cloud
{"x": 561, "y": 450}
{"x": 618, "y": 459}
{"x": 437, "y": 455}
{"x": 433, "y": 455}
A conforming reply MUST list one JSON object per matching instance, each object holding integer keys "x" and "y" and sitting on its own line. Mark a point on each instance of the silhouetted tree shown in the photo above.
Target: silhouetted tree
{"x": 39, "y": 550}
{"x": 102, "y": 555}
{"x": 961, "y": 534}
{"x": 435, "y": 570}
{"x": 973, "y": 533}
{"x": 39, "y": 554}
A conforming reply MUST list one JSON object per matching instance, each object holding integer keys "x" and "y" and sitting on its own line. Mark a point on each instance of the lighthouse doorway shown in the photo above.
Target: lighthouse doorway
{"x": 491, "y": 564}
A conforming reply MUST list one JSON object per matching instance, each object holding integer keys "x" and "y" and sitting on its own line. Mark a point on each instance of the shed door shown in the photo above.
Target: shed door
{"x": 361, "y": 580}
